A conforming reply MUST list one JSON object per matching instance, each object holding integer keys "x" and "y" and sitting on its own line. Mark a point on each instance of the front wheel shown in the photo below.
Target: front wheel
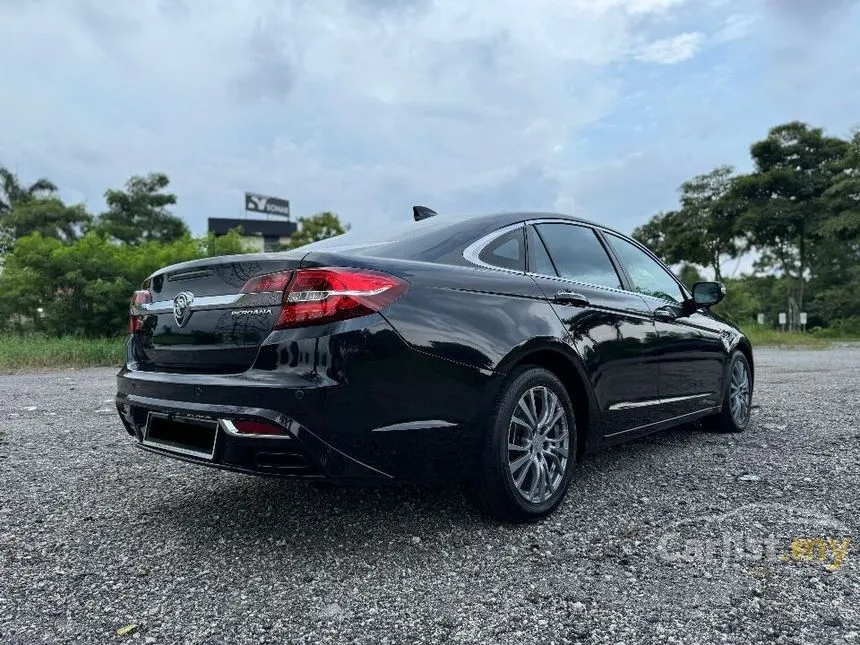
{"x": 737, "y": 402}
{"x": 529, "y": 450}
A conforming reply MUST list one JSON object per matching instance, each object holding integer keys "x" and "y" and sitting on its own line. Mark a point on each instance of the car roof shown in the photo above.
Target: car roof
{"x": 441, "y": 238}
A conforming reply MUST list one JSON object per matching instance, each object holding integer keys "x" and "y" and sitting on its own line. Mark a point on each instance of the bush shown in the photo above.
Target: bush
{"x": 739, "y": 304}
{"x": 842, "y": 328}
{"x": 83, "y": 288}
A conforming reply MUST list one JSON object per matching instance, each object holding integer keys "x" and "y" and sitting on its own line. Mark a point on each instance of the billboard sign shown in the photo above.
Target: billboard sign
{"x": 265, "y": 204}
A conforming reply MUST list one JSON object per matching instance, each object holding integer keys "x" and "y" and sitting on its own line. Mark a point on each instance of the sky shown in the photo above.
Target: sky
{"x": 599, "y": 108}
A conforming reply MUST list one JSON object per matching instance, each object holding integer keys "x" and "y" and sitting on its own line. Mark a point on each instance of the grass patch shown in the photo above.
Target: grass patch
{"x": 35, "y": 351}
{"x": 762, "y": 337}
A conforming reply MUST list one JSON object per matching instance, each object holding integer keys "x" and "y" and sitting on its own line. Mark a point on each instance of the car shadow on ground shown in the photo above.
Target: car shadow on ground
{"x": 250, "y": 511}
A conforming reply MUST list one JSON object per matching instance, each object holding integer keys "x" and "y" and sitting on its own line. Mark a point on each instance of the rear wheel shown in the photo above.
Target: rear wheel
{"x": 529, "y": 450}
{"x": 737, "y": 402}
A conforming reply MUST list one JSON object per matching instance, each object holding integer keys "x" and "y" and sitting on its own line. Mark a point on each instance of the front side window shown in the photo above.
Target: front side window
{"x": 648, "y": 276}
{"x": 507, "y": 251}
{"x": 578, "y": 255}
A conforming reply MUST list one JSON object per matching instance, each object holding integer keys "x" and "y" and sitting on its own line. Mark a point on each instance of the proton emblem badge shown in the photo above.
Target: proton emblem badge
{"x": 182, "y": 307}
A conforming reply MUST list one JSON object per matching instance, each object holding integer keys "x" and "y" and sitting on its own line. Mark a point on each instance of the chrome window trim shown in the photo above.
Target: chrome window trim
{"x": 684, "y": 291}
{"x": 471, "y": 252}
{"x": 572, "y": 280}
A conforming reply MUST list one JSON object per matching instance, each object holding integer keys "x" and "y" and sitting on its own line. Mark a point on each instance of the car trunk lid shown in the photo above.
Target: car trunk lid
{"x": 200, "y": 320}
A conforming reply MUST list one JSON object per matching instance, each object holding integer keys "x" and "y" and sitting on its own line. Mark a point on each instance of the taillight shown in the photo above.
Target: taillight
{"x": 317, "y": 296}
{"x": 142, "y": 297}
{"x": 268, "y": 282}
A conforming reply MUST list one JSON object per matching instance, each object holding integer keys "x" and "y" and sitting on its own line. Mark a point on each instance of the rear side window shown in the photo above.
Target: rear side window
{"x": 507, "y": 251}
{"x": 578, "y": 255}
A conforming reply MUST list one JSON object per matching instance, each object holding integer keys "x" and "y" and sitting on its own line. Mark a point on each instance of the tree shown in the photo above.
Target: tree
{"x": 139, "y": 213}
{"x": 785, "y": 197}
{"x": 316, "y": 227}
{"x": 83, "y": 286}
{"x": 843, "y": 197}
{"x": 46, "y": 215}
{"x": 658, "y": 234}
{"x": 14, "y": 193}
{"x": 709, "y": 212}
{"x": 689, "y": 275}
{"x": 702, "y": 232}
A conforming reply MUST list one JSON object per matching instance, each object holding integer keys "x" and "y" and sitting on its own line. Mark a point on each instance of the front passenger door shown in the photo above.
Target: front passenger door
{"x": 611, "y": 329}
{"x": 690, "y": 347}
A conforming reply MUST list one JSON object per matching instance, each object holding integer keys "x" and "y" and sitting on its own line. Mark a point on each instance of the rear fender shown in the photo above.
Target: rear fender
{"x": 537, "y": 351}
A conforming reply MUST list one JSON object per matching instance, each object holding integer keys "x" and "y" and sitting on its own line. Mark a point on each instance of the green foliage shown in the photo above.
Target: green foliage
{"x": 39, "y": 351}
{"x": 689, "y": 275}
{"x": 844, "y": 329}
{"x": 25, "y": 209}
{"x": 48, "y": 216}
{"x": 798, "y": 211}
{"x": 57, "y": 282}
{"x": 139, "y": 213}
{"x": 83, "y": 287}
{"x": 765, "y": 336}
{"x": 14, "y": 193}
{"x": 316, "y": 227}
{"x": 784, "y": 197}
{"x": 703, "y": 230}
{"x": 740, "y": 304}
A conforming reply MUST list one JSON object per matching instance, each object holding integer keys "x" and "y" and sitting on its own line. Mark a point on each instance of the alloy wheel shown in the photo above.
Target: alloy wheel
{"x": 739, "y": 393}
{"x": 538, "y": 444}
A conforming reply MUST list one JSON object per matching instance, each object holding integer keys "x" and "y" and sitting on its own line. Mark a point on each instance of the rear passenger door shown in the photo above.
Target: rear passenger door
{"x": 612, "y": 329}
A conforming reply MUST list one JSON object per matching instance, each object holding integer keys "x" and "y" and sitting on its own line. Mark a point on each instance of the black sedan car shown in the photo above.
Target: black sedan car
{"x": 492, "y": 349}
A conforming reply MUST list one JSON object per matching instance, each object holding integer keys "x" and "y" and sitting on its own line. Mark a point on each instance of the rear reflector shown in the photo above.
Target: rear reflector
{"x": 255, "y": 427}
{"x": 317, "y": 296}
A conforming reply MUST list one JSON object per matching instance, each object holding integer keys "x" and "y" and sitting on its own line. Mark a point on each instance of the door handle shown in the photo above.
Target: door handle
{"x": 571, "y": 298}
{"x": 665, "y": 313}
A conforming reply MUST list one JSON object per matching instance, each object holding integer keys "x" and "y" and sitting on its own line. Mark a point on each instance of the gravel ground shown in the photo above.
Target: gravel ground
{"x": 681, "y": 537}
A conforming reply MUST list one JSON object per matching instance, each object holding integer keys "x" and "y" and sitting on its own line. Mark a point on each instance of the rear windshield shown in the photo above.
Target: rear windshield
{"x": 398, "y": 232}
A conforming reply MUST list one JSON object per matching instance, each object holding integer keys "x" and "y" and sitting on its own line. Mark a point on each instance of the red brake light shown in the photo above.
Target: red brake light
{"x": 141, "y": 297}
{"x": 317, "y": 296}
{"x": 268, "y": 282}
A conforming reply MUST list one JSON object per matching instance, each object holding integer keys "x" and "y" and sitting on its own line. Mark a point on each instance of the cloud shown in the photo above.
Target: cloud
{"x": 271, "y": 69}
{"x": 368, "y": 106}
{"x": 669, "y": 51}
{"x": 735, "y": 27}
{"x": 810, "y": 13}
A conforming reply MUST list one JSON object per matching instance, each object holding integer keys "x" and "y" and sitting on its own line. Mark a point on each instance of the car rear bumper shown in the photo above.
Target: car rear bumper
{"x": 359, "y": 405}
{"x": 298, "y": 453}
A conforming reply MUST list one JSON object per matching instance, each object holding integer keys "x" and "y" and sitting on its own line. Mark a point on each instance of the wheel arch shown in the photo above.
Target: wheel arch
{"x": 565, "y": 363}
{"x": 745, "y": 348}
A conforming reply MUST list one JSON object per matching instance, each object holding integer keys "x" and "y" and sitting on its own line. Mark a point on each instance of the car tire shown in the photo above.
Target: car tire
{"x": 734, "y": 416}
{"x": 529, "y": 450}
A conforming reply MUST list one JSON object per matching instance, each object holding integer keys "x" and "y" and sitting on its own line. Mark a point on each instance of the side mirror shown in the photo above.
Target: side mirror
{"x": 708, "y": 293}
